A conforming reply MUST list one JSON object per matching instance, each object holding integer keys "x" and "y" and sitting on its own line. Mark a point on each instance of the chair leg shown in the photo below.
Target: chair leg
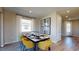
{"x": 49, "y": 49}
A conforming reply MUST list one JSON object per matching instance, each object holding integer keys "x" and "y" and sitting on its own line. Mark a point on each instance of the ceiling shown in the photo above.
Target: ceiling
{"x": 73, "y": 14}
{"x": 39, "y": 12}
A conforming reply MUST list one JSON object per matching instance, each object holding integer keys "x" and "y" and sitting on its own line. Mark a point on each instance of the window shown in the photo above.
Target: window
{"x": 68, "y": 27}
{"x": 26, "y": 25}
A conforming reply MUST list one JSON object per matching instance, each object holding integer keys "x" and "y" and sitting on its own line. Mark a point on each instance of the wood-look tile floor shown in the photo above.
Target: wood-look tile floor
{"x": 10, "y": 47}
{"x": 66, "y": 44}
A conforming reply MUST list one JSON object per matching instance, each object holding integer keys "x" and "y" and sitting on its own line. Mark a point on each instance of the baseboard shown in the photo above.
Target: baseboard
{"x": 56, "y": 41}
{"x": 2, "y": 45}
{"x": 68, "y": 36}
{"x": 10, "y": 42}
{"x": 75, "y": 35}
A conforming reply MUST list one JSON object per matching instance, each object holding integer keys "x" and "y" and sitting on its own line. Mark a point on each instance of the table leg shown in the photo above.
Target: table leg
{"x": 36, "y": 47}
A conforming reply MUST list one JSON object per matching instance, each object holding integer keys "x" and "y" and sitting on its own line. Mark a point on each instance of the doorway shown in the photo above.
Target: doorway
{"x": 67, "y": 28}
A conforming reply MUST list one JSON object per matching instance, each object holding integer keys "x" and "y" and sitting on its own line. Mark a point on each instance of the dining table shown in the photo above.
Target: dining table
{"x": 36, "y": 41}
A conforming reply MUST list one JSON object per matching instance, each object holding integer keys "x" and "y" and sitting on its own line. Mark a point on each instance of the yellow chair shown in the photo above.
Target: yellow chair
{"x": 46, "y": 35}
{"x": 27, "y": 42}
{"x": 45, "y": 45}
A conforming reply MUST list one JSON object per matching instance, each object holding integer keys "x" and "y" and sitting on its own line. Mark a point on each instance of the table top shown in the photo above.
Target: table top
{"x": 35, "y": 40}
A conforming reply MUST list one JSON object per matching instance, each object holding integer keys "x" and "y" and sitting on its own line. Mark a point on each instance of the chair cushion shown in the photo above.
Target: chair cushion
{"x": 44, "y": 45}
{"x": 27, "y": 42}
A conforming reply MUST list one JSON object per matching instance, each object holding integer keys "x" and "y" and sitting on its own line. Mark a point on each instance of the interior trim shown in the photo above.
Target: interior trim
{"x": 2, "y": 41}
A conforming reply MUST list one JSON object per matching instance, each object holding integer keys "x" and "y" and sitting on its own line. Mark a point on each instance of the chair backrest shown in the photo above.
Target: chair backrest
{"x": 44, "y": 45}
{"x": 28, "y": 43}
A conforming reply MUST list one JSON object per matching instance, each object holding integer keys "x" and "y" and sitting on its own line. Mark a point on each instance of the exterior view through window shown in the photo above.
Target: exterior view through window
{"x": 68, "y": 28}
{"x": 26, "y": 25}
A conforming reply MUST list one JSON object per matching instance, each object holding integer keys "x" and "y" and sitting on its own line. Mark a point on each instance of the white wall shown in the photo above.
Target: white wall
{"x": 55, "y": 26}
{"x": 58, "y": 27}
{"x": 75, "y": 27}
{"x": 36, "y": 25}
{"x": 9, "y": 27}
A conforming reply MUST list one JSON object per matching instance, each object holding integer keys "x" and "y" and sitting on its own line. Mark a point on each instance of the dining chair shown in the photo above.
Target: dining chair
{"x": 45, "y": 45}
{"x": 26, "y": 44}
